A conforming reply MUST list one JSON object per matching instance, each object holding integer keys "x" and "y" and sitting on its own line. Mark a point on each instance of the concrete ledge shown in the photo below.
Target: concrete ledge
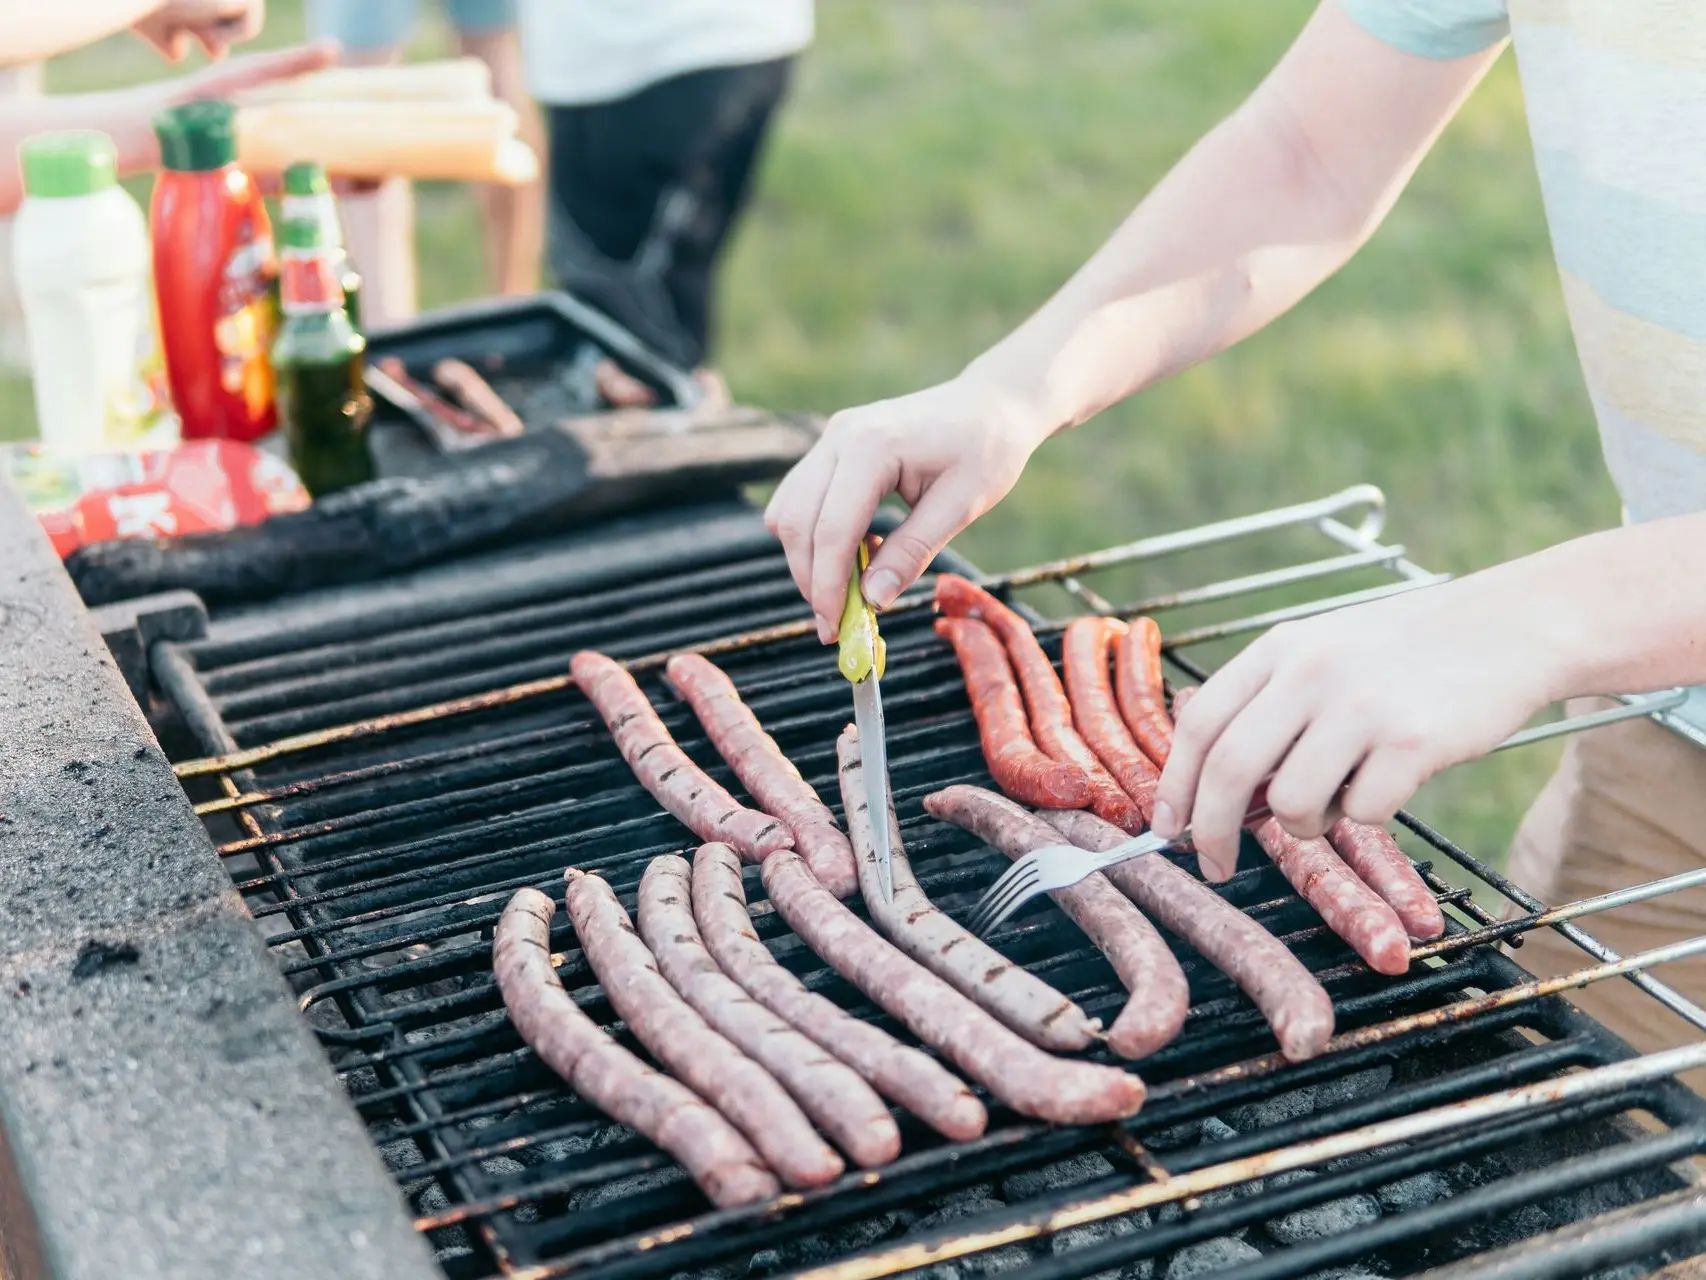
{"x": 166, "y": 1109}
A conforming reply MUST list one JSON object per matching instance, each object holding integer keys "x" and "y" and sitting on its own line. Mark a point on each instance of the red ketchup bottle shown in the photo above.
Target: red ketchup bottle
{"x": 214, "y": 269}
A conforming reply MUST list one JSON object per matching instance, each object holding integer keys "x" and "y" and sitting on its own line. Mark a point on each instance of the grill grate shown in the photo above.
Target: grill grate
{"x": 376, "y": 862}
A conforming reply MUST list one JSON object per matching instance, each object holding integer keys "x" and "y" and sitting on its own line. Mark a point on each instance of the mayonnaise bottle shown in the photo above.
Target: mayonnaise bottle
{"x": 80, "y": 259}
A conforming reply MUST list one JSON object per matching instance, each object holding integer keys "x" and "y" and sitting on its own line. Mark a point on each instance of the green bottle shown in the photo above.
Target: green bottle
{"x": 308, "y": 195}
{"x": 317, "y": 358}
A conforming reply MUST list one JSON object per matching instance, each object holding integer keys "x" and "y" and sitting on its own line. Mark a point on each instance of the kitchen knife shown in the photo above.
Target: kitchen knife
{"x": 861, "y": 661}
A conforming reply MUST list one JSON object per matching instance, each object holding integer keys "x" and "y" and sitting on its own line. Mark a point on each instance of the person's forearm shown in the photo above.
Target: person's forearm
{"x": 32, "y": 30}
{"x": 122, "y": 113}
{"x": 1264, "y": 208}
{"x": 1623, "y": 611}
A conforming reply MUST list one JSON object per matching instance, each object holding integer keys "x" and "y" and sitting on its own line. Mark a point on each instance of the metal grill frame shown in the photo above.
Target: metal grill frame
{"x": 260, "y": 807}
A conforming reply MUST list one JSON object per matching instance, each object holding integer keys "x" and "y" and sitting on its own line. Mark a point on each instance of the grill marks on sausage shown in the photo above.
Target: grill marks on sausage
{"x": 1296, "y": 1006}
{"x": 1375, "y": 856}
{"x": 765, "y": 772}
{"x": 1145, "y": 965}
{"x": 1015, "y": 762}
{"x": 830, "y": 1092}
{"x": 1050, "y": 714}
{"x": 665, "y": 770}
{"x": 724, "y": 1164}
{"x": 1086, "y": 650}
{"x": 1348, "y": 906}
{"x": 926, "y": 933}
{"x": 1138, "y": 686}
{"x": 747, "y": 1095}
{"x": 1033, "y": 1083}
{"x": 904, "y": 1075}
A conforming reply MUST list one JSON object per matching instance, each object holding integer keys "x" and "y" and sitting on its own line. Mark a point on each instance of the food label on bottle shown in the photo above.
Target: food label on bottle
{"x": 243, "y": 329}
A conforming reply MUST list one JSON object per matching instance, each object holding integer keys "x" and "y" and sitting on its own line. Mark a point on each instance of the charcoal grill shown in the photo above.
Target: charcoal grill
{"x": 383, "y": 768}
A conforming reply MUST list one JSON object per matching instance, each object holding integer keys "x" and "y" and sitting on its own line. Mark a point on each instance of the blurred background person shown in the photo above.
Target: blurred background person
{"x": 658, "y": 116}
{"x": 381, "y": 222}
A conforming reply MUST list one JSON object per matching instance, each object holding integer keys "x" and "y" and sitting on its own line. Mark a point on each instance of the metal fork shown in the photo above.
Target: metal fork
{"x": 1060, "y": 866}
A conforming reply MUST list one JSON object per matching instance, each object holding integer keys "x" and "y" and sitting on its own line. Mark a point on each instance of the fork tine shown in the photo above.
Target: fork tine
{"x": 1015, "y": 887}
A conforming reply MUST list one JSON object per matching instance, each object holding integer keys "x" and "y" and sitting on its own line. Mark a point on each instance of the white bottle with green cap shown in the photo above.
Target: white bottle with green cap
{"x": 80, "y": 258}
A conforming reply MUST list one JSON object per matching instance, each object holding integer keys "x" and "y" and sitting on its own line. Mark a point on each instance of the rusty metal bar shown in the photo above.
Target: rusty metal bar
{"x": 1422, "y": 1124}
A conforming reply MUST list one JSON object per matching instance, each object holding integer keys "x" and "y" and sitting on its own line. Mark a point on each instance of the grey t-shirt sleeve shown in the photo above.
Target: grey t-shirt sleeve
{"x": 1433, "y": 28}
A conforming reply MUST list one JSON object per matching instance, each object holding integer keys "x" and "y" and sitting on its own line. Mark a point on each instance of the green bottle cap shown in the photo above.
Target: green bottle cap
{"x": 197, "y": 137}
{"x": 306, "y": 178}
{"x": 71, "y": 162}
{"x": 302, "y": 234}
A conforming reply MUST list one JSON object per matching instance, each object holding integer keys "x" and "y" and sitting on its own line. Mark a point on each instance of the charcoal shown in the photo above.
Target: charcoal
{"x": 1174, "y": 1137}
{"x": 764, "y": 1262}
{"x": 623, "y": 1188}
{"x": 1094, "y": 1233}
{"x": 1357, "y": 1085}
{"x": 962, "y": 1207}
{"x": 1054, "y": 1177}
{"x": 1272, "y": 1111}
{"x": 837, "y": 1242}
{"x": 1215, "y": 1129}
{"x": 1414, "y": 1192}
{"x": 1210, "y": 1256}
{"x": 1320, "y": 1221}
{"x": 1347, "y": 1273}
{"x": 503, "y": 1167}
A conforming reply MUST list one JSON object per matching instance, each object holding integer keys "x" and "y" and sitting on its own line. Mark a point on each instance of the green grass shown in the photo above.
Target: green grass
{"x": 942, "y": 166}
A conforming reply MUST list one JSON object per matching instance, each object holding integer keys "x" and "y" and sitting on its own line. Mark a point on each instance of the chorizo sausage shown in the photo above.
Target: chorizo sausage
{"x": 1085, "y": 652}
{"x": 1139, "y": 688}
{"x": 712, "y": 1150}
{"x": 1348, "y": 906}
{"x": 1144, "y": 964}
{"x": 664, "y": 769}
{"x": 1033, "y": 1083}
{"x": 764, "y": 771}
{"x": 1014, "y": 761}
{"x": 1296, "y": 1006}
{"x": 679, "y": 1038}
{"x": 829, "y": 1091}
{"x": 1050, "y": 714}
{"x": 1375, "y": 856}
{"x": 905, "y": 1076}
{"x": 930, "y": 936}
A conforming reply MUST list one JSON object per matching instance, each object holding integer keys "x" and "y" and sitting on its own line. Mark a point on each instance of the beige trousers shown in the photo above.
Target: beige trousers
{"x": 1628, "y": 804}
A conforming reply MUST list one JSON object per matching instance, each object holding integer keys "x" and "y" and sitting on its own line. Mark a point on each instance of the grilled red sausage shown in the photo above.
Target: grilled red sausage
{"x": 912, "y": 1079}
{"x": 1142, "y": 696}
{"x": 1348, "y": 906}
{"x": 664, "y": 769}
{"x": 712, "y": 1150}
{"x": 1017, "y": 766}
{"x": 1034, "y": 1083}
{"x": 1160, "y": 996}
{"x": 1085, "y": 651}
{"x": 1375, "y": 856}
{"x": 1296, "y": 1006}
{"x": 706, "y": 1062}
{"x": 765, "y": 772}
{"x": 1051, "y": 716}
{"x": 828, "y": 1090}
{"x": 933, "y": 938}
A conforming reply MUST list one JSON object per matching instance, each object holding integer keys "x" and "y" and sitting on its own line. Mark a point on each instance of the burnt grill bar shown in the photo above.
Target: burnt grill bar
{"x": 435, "y": 757}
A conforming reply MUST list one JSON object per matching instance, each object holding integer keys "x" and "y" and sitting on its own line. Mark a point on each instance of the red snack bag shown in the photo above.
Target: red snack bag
{"x": 197, "y": 487}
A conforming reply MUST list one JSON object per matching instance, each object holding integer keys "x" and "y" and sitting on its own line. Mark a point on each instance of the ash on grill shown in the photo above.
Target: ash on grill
{"x": 408, "y": 755}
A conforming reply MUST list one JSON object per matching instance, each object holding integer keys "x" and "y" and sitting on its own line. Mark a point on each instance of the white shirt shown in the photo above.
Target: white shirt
{"x": 577, "y": 52}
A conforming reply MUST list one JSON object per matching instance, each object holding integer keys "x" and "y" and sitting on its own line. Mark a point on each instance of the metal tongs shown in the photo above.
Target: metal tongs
{"x": 861, "y": 661}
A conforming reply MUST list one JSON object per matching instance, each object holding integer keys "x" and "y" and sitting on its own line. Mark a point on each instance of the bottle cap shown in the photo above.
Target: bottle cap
{"x": 197, "y": 137}
{"x": 71, "y": 162}
{"x": 306, "y": 178}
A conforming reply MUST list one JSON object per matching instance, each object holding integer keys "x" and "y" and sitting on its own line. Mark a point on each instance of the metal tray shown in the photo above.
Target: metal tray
{"x": 537, "y": 352}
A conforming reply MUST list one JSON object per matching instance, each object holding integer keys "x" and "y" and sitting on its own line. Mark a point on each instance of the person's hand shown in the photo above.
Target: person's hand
{"x": 215, "y": 24}
{"x": 1390, "y": 692}
{"x": 952, "y": 451}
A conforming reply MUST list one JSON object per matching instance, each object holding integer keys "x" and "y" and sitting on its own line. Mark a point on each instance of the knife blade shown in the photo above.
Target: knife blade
{"x": 874, "y": 760}
{"x": 861, "y": 661}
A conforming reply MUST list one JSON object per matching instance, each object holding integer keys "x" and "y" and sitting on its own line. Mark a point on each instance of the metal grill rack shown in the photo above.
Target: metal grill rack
{"x": 389, "y": 766}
